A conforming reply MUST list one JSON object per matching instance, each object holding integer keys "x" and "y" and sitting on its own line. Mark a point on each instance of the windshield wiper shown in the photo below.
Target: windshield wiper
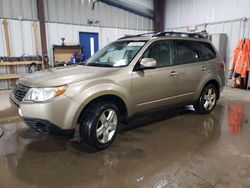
{"x": 99, "y": 65}
{"x": 81, "y": 63}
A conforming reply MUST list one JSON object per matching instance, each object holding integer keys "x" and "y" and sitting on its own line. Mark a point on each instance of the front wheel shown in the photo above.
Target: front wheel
{"x": 100, "y": 123}
{"x": 207, "y": 100}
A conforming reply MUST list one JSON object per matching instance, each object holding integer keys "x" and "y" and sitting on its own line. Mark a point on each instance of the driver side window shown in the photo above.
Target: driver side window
{"x": 161, "y": 52}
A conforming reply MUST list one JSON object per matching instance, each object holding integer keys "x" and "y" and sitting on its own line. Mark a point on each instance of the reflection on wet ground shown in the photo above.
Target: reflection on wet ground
{"x": 176, "y": 148}
{"x": 235, "y": 117}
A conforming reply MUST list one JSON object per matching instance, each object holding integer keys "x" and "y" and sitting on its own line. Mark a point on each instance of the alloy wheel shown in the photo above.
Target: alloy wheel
{"x": 209, "y": 99}
{"x": 106, "y": 126}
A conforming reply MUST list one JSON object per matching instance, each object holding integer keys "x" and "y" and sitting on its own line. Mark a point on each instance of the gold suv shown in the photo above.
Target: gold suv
{"x": 131, "y": 75}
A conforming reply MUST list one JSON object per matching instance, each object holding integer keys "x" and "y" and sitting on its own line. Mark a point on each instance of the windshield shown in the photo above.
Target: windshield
{"x": 116, "y": 54}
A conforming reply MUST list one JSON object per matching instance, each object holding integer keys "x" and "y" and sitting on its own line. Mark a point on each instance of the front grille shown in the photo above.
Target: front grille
{"x": 20, "y": 91}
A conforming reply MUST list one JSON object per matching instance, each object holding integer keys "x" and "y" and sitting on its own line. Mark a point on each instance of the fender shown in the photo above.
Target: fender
{"x": 102, "y": 89}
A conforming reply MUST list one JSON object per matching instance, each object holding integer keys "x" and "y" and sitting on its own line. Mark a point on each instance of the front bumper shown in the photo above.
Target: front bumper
{"x": 58, "y": 112}
{"x": 46, "y": 127}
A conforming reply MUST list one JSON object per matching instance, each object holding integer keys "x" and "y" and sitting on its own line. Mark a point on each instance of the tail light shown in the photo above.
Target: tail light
{"x": 222, "y": 65}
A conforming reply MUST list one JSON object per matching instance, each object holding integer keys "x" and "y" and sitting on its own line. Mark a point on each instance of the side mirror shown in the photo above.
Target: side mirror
{"x": 148, "y": 63}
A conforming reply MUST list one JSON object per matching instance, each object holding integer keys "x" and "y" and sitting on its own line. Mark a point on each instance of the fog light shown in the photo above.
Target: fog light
{"x": 20, "y": 112}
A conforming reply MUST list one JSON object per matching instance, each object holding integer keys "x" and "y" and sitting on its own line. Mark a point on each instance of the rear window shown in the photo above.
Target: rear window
{"x": 207, "y": 51}
{"x": 193, "y": 51}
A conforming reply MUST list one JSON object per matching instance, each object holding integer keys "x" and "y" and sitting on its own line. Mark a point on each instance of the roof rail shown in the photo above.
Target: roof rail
{"x": 202, "y": 34}
{"x": 139, "y": 35}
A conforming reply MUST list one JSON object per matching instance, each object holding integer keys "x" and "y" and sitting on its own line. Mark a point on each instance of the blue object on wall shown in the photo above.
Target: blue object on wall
{"x": 89, "y": 43}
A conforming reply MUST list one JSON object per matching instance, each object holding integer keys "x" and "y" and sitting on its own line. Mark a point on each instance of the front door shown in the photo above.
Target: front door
{"x": 89, "y": 43}
{"x": 155, "y": 88}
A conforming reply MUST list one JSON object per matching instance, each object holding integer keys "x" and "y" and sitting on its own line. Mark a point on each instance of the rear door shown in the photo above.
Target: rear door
{"x": 191, "y": 66}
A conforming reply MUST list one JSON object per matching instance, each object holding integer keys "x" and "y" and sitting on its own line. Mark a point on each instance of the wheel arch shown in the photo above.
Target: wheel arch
{"x": 121, "y": 105}
{"x": 216, "y": 84}
{"x": 204, "y": 84}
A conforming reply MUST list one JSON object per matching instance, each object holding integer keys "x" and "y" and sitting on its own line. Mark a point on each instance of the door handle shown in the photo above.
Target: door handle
{"x": 204, "y": 68}
{"x": 173, "y": 73}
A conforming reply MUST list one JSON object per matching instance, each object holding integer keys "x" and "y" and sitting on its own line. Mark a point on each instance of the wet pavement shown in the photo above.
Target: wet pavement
{"x": 174, "y": 148}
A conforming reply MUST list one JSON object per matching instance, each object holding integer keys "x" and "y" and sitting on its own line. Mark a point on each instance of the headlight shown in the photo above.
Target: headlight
{"x": 43, "y": 94}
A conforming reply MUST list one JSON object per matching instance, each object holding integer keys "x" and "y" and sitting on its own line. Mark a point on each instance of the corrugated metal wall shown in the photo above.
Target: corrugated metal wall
{"x": 21, "y": 37}
{"x": 79, "y": 11}
{"x": 191, "y": 12}
{"x": 18, "y": 9}
{"x": 21, "y": 43}
{"x": 75, "y": 12}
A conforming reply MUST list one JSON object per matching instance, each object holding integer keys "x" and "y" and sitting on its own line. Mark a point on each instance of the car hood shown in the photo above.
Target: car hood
{"x": 64, "y": 75}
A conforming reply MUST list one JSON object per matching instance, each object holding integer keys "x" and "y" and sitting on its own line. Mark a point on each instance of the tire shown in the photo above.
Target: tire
{"x": 207, "y": 100}
{"x": 99, "y": 125}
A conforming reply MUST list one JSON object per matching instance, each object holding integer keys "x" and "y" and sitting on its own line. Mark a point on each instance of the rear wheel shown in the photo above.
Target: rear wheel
{"x": 100, "y": 123}
{"x": 207, "y": 100}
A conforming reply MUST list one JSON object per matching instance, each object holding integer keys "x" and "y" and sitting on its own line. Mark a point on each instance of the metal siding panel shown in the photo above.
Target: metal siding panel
{"x": 26, "y": 9}
{"x": 34, "y": 9}
{"x": 125, "y": 19}
{"x": 113, "y": 17}
{"x": 52, "y": 14}
{"x": 7, "y": 9}
{"x": 108, "y": 16}
{"x": 52, "y": 39}
{"x": 148, "y": 24}
{"x": 145, "y": 24}
{"x": 248, "y": 28}
{"x": 1, "y": 8}
{"x": 46, "y": 10}
{"x": 70, "y": 12}
{"x": 16, "y": 37}
{"x": 135, "y": 22}
{"x": 130, "y": 20}
{"x": 105, "y": 38}
{"x": 119, "y": 18}
{"x": 88, "y": 10}
{"x": 140, "y": 23}
{"x": 17, "y": 9}
{"x": 102, "y": 10}
{"x": 75, "y": 12}
{"x": 229, "y": 48}
{"x": 82, "y": 13}
{"x": 49, "y": 43}
{"x": 68, "y": 34}
{"x": 61, "y": 10}
{"x": 151, "y": 25}
{"x": 97, "y": 13}
{"x": 28, "y": 38}
{"x": 2, "y": 42}
{"x": 202, "y": 11}
{"x": 186, "y": 12}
